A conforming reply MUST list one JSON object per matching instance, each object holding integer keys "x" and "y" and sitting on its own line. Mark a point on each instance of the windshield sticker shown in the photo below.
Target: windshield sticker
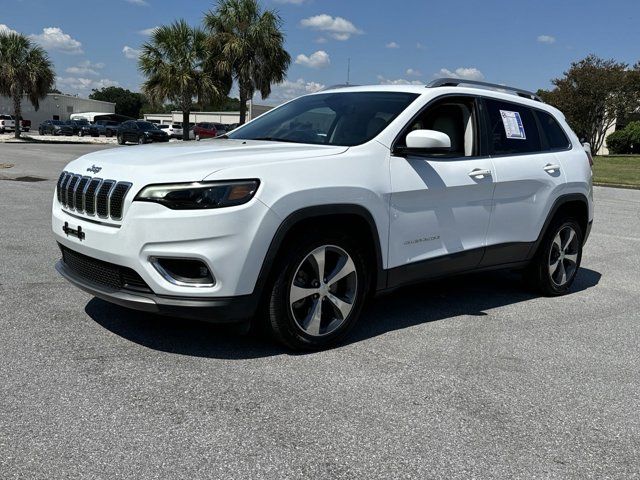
{"x": 513, "y": 127}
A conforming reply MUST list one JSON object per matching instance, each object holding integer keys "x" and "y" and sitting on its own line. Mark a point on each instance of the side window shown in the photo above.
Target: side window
{"x": 556, "y": 138}
{"x": 512, "y": 128}
{"x": 455, "y": 116}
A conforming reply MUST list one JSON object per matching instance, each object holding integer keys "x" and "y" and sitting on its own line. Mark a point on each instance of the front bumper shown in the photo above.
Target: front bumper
{"x": 215, "y": 310}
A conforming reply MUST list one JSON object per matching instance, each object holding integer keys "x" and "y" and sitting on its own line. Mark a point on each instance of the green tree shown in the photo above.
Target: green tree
{"x": 250, "y": 46}
{"x": 593, "y": 93}
{"x": 173, "y": 62}
{"x": 626, "y": 140}
{"x": 25, "y": 69}
{"x": 128, "y": 103}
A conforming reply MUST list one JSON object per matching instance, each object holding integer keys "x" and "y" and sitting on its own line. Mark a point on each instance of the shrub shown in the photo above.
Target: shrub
{"x": 618, "y": 142}
{"x": 626, "y": 140}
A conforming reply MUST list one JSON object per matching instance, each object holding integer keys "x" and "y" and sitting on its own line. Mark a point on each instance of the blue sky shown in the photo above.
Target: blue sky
{"x": 94, "y": 43}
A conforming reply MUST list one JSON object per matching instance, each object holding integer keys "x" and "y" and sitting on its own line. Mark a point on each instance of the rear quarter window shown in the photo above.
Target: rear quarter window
{"x": 556, "y": 138}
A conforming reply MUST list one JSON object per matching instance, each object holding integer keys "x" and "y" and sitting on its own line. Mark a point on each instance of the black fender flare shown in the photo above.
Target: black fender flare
{"x": 559, "y": 202}
{"x": 320, "y": 211}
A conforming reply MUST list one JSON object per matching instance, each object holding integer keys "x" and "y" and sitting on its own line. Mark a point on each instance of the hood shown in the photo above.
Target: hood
{"x": 191, "y": 161}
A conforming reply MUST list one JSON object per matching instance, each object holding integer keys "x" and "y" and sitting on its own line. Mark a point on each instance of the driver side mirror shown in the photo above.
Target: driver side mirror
{"x": 426, "y": 141}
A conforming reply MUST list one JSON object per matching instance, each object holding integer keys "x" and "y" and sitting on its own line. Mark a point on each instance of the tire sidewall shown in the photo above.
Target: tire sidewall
{"x": 547, "y": 284}
{"x": 283, "y": 325}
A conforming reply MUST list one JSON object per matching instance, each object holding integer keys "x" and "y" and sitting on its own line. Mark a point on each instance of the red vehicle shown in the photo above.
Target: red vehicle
{"x": 26, "y": 125}
{"x": 208, "y": 130}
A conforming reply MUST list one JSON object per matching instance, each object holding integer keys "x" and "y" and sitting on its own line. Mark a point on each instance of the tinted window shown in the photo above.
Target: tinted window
{"x": 146, "y": 125}
{"x": 512, "y": 128}
{"x": 344, "y": 118}
{"x": 556, "y": 138}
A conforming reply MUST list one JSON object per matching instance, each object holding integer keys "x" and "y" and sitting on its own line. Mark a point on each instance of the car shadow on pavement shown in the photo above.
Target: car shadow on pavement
{"x": 471, "y": 294}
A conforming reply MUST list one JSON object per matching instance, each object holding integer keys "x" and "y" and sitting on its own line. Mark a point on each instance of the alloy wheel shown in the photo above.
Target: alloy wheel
{"x": 563, "y": 256}
{"x": 323, "y": 290}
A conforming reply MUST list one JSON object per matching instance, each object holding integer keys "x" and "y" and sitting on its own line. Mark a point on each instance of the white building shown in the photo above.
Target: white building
{"x": 217, "y": 117}
{"x": 56, "y": 106}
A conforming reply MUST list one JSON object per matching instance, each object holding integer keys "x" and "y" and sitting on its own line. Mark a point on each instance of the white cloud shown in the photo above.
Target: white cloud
{"x": 336, "y": 27}
{"x": 4, "y": 29}
{"x": 53, "y": 38}
{"x": 290, "y": 89}
{"x": 147, "y": 31}
{"x": 548, "y": 39}
{"x": 470, "y": 73}
{"x": 83, "y": 85}
{"x": 321, "y": 40}
{"x": 319, "y": 59}
{"x": 392, "y": 45}
{"x": 85, "y": 68}
{"x": 140, "y": 3}
{"x": 130, "y": 52}
{"x": 420, "y": 46}
{"x": 413, "y": 72}
{"x": 398, "y": 81}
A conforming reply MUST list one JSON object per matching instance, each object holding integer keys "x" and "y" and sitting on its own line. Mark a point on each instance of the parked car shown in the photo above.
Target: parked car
{"x": 302, "y": 214}
{"x": 108, "y": 128}
{"x": 140, "y": 132}
{"x": 207, "y": 130}
{"x": 232, "y": 126}
{"x": 25, "y": 124}
{"x": 54, "y": 127}
{"x": 80, "y": 127}
{"x": 7, "y": 123}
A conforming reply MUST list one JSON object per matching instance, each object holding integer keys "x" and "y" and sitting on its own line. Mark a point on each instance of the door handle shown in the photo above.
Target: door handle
{"x": 551, "y": 168}
{"x": 479, "y": 173}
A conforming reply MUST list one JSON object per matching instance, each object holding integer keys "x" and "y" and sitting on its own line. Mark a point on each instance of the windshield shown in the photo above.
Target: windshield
{"x": 147, "y": 126}
{"x": 344, "y": 118}
{"x": 57, "y": 122}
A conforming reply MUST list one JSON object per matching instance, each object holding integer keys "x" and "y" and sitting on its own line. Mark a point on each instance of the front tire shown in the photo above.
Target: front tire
{"x": 557, "y": 261}
{"x": 120, "y": 139}
{"x": 319, "y": 291}
{"x": 141, "y": 140}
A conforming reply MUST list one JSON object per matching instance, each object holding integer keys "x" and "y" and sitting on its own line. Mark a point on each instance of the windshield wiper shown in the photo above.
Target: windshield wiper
{"x": 274, "y": 139}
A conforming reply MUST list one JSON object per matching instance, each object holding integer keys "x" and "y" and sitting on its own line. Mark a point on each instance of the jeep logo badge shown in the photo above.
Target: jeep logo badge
{"x": 94, "y": 169}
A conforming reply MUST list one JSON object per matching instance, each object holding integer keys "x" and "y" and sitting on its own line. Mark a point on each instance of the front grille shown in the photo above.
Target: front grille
{"x": 92, "y": 196}
{"x": 103, "y": 273}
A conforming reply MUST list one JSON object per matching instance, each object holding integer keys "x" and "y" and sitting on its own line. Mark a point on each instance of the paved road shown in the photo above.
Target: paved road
{"x": 469, "y": 378}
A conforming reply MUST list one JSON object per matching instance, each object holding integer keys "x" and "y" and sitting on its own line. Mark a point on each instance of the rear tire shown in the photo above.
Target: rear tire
{"x": 326, "y": 276}
{"x": 557, "y": 261}
{"x": 121, "y": 139}
{"x": 141, "y": 140}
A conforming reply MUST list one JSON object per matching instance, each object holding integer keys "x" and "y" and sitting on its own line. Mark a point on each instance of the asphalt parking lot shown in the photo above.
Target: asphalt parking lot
{"x": 474, "y": 377}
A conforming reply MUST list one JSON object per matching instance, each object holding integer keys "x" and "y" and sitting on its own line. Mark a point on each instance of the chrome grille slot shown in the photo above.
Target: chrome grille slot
{"x": 79, "y": 194}
{"x": 73, "y": 181}
{"x": 61, "y": 179}
{"x": 102, "y": 198}
{"x": 92, "y": 196}
{"x": 117, "y": 200}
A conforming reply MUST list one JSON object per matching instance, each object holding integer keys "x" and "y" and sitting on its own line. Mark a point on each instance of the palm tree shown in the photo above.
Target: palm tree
{"x": 173, "y": 63}
{"x": 25, "y": 68}
{"x": 250, "y": 45}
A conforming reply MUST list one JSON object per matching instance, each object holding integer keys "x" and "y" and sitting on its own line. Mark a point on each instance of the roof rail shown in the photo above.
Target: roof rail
{"x": 454, "y": 82}
{"x": 339, "y": 85}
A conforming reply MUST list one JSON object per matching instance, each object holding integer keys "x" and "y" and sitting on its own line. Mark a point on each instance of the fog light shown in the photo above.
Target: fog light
{"x": 186, "y": 272}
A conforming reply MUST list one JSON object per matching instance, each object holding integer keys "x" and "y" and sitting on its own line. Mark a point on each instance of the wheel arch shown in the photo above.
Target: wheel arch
{"x": 571, "y": 204}
{"x": 353, "y": 217}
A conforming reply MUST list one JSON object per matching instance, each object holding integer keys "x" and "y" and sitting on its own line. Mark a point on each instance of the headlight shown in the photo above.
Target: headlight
{"x": 199, "y": 195}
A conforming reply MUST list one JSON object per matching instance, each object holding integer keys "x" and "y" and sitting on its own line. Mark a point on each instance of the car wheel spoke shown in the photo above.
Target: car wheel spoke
{"x": 572, "y": 258}
{"x": 298, "y": 293}
{"x": 312, "y": 322}
{"x": 345, "y": 267}
{"x": 319, "y": 256}
{"x": 343, "y": 307}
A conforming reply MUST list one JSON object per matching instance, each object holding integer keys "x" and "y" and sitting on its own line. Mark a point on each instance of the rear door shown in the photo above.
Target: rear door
{"x": 528, "y": 178}
{"x": 441, "y": 203}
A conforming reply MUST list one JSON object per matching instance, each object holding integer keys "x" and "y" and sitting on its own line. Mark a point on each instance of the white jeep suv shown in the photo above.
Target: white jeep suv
{"x": 301, "y": 214}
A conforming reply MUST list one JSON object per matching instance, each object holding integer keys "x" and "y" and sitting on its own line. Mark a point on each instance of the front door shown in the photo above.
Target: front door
{"x": 441, "y": 203}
